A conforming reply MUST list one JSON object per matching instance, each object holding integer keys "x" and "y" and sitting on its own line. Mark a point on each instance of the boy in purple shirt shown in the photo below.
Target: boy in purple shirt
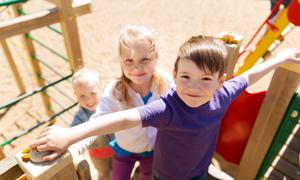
{"x": 187, "y": 135}
{"x": 187, "y": 119}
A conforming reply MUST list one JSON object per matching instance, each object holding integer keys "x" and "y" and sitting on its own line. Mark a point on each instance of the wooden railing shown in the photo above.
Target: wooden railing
{"x": 65, "y": 13}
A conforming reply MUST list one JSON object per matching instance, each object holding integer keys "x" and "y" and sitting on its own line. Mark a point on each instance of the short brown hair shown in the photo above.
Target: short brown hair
{"x": 208, "y": 53}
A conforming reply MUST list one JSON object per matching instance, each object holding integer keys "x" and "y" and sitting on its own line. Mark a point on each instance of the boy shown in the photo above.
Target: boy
{"x": 187, "y": 118}
{"x": 87, "y": 88}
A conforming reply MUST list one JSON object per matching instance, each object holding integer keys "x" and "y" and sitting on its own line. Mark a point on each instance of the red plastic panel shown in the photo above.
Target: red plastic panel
{"x": 237, "y": 125}
{"x": 293, "y": 12}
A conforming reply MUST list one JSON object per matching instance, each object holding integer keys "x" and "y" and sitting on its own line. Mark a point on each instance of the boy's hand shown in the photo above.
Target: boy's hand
{"x": 55, "y": 139}
{"x": 286, "y": 56}
{"x": 289, "y": 55}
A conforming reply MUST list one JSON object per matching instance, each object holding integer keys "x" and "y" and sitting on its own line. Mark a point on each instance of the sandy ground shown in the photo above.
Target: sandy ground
{"x": 173, "y": 22}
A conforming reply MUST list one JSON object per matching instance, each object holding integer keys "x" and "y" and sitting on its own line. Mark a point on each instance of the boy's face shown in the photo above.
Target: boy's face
{"x": 194, "y": 86}
{"x": 88, "y": 95}
{"x": 138, "y": 63}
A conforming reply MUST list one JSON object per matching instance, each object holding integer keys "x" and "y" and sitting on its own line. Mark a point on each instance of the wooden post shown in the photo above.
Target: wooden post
{"x": 2, "y": 156}
{"x": 22, "y": 177}
{"x": 284, "y": 83}
{"x": 233, "y": 43}
{"x": 82, "y": 167}
{"x": 70, "y": 32}
{"x": 13, "y": 66}
{"x": 35, "y": 65}
{"x": 46, "y": 17}
{"x": 61, "y": 168}
{"x": 9, "y": 169}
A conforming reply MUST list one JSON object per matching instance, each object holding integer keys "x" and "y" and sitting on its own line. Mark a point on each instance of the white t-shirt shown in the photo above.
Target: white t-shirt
{"x": 137, "y": 139}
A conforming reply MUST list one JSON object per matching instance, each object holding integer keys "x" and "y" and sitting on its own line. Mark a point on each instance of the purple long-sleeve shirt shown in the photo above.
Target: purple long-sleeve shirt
{"x": 187, "y": 137}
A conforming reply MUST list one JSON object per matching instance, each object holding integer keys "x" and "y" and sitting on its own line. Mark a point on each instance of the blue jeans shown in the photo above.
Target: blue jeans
{"x": 203, "y": 176}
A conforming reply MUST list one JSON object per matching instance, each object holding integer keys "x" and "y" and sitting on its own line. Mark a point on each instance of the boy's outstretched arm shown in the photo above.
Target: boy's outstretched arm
{"x": 58, "y": 139}
{"x": 258, "y": 71}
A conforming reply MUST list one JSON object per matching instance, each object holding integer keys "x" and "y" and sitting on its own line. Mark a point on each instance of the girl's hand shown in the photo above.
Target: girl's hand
{"x": 55, "y": 139}
{"x": 289, "y": 56}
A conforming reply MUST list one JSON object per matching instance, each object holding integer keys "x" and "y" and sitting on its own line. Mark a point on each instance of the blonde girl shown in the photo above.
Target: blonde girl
{"x": 140, "y": 83}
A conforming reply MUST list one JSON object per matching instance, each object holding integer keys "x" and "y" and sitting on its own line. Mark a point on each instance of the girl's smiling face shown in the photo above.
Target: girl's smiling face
{"x": 194, "y": 86}
{"x": 138, "y": 62}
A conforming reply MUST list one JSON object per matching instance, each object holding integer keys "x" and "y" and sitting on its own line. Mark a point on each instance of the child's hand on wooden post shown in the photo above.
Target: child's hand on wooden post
{"x": 54, "y": 139}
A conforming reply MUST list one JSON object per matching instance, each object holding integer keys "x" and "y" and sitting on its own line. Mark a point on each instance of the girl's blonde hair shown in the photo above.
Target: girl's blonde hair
{"x": 84, "y": 75}
{"x": 131, "y": 34}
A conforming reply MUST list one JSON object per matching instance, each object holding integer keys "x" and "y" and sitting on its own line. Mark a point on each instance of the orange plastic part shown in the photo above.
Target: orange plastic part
{"x": 237, "y": 125}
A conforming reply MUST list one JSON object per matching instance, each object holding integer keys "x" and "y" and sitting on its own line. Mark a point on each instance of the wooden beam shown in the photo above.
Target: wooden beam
{"x": 61, "y": 168}
{"x": 22, "y": 177}
{"x": 292, "y": 67}
{"x": 233, "y": 43}
{"x": 68, "y": 172}
{"x": 283, "y": 86}
{"x": 70, "y": 32}
{"x": 82, "y": 167}
{"x": 229, "y": 168}
{"x": 13, "y": 66}
{"x": 26, "y": 23}
{"x": 35, "y": 66}
{"x": 10, "y": 169}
